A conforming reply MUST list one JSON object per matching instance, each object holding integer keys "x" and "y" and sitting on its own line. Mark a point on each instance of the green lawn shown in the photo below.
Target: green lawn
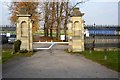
{"x": 112, "y": 61}
{"x": 11, "y": 32}
{"x": 0, "y": 59}
{"x": 7, "y": 54}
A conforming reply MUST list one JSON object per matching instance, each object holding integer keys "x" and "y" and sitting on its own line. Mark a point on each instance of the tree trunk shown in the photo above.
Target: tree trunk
{"x": 51, "y": 33}
{"x": 59, "y": 21}
{"x": 53, "y": 17}
{"x": 66, "y": 19}
{"x": 46, "y": 20}
{"x": 57, "y": 5}
{"x": 44, "y": 30}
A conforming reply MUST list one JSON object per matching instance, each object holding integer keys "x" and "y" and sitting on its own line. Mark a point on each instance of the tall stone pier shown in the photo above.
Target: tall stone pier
{"x": 24, "y": 31}
{"x": 76, "y": 31}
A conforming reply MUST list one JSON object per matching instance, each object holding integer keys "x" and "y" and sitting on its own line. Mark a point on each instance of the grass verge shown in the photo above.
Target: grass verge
{"x": 7, "y": 54}
{"x": 110, "y": 59}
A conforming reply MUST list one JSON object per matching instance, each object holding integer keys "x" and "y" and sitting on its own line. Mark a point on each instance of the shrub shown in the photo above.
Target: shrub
{"x": 17, "y": 45}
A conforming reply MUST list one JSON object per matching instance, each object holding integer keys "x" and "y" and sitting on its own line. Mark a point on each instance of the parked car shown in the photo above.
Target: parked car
{"x": 12, "y": 38}
{"x": 3, "y": 39}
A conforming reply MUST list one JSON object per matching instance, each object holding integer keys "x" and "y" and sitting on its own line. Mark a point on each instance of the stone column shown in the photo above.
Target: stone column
{"x": 24, "y": 32}
{"x": 77, "y": 42}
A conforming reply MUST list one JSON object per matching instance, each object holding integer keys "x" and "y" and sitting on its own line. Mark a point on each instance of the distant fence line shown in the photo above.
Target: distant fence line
{"x": 103, "y": 41}
{"x": 117, "y": 28}
{"x": 7, "y": 27}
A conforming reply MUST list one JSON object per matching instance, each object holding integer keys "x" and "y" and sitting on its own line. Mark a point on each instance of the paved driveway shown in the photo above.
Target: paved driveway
{"x": 55, "y": 63}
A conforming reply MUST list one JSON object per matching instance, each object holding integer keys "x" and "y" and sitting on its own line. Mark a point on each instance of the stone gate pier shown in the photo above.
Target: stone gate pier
{"x": 24, "y": 31}
{"x": 76, "y": 31}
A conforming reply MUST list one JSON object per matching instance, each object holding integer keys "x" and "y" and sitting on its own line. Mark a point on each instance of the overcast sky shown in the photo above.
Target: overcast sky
{"x": 100, "y": 12}
{"x": 119, "y": 13}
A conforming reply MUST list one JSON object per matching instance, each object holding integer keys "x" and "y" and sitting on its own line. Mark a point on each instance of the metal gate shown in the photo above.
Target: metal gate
{"x": 51, "y": 44}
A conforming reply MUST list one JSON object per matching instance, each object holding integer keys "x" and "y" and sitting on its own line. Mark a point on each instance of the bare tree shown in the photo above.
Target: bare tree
{"x": 57, "y": 14}
{"x": 46, "y": 31}
{"x": 66, "y": 19}
{"x": 52, "y": 18}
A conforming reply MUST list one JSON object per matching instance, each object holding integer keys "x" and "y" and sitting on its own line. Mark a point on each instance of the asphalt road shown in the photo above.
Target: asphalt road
{"x": 55, "y": 63}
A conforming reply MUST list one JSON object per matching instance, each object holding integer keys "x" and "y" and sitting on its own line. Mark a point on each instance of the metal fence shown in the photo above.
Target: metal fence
{"x": 103, "y": 41}
{"x": 7, "y": 28}
{"x": 103, "y": 37}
